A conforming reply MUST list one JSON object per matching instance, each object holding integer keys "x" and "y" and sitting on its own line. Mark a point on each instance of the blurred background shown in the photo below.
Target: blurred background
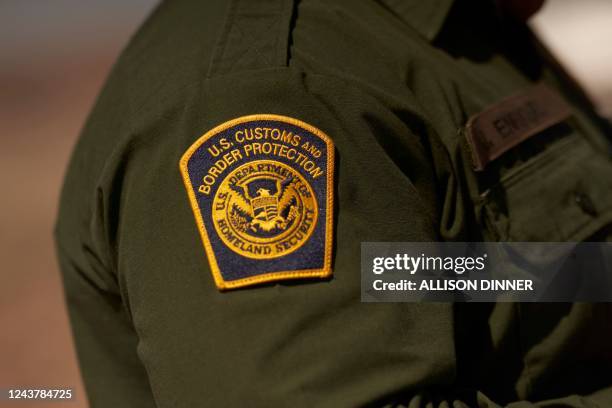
{"x": 54, "y": 56}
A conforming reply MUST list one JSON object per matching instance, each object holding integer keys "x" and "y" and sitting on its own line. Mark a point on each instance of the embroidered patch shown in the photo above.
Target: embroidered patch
{"x": 509, "y": 122}
{"x": 261, "y": 189}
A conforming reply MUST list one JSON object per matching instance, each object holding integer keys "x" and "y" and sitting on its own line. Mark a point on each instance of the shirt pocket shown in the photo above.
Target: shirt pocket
{"x": 562, "y": 193}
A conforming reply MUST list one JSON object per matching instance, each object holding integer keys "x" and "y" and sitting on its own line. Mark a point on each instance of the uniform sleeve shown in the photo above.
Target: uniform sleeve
{"x": 140, "y": 286}
{"x": 105, "y": 340}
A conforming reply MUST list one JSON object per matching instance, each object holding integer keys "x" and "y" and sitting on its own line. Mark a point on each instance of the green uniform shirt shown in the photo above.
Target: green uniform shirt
{"x": 392, "y": 83}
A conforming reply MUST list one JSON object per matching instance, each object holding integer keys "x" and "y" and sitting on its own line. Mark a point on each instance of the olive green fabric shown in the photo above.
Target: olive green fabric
{"x": 392, "y": 83}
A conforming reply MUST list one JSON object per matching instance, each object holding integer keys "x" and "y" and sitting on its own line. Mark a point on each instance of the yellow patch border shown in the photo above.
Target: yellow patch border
{"x": 272, "y": 276}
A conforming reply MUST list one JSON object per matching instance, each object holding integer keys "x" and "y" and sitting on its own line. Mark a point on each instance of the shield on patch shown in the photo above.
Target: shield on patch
{"x": 261, "y": 190}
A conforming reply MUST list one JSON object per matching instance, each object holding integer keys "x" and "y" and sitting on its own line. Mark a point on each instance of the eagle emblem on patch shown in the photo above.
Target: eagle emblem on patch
{"x": 261, "y": 190}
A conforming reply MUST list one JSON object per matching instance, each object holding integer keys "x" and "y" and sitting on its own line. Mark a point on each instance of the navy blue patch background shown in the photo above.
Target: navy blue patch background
{"x": 231, "y": 264}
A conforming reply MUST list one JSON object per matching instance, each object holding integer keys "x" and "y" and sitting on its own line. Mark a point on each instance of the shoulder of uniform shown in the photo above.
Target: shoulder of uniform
{"x": 172, "y": 47}
{"x": 255, "y": 36}
{"x": 210, "y": 38}
{"x": 184, "y": 42}
{"x": 161, "y": 62}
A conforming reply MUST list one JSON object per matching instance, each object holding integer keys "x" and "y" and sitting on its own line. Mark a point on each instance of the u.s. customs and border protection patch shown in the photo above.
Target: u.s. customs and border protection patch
{"x": 261, "y": 189}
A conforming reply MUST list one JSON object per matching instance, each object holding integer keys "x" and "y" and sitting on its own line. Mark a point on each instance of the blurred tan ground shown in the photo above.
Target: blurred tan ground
{"x": 53, "y": 59}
